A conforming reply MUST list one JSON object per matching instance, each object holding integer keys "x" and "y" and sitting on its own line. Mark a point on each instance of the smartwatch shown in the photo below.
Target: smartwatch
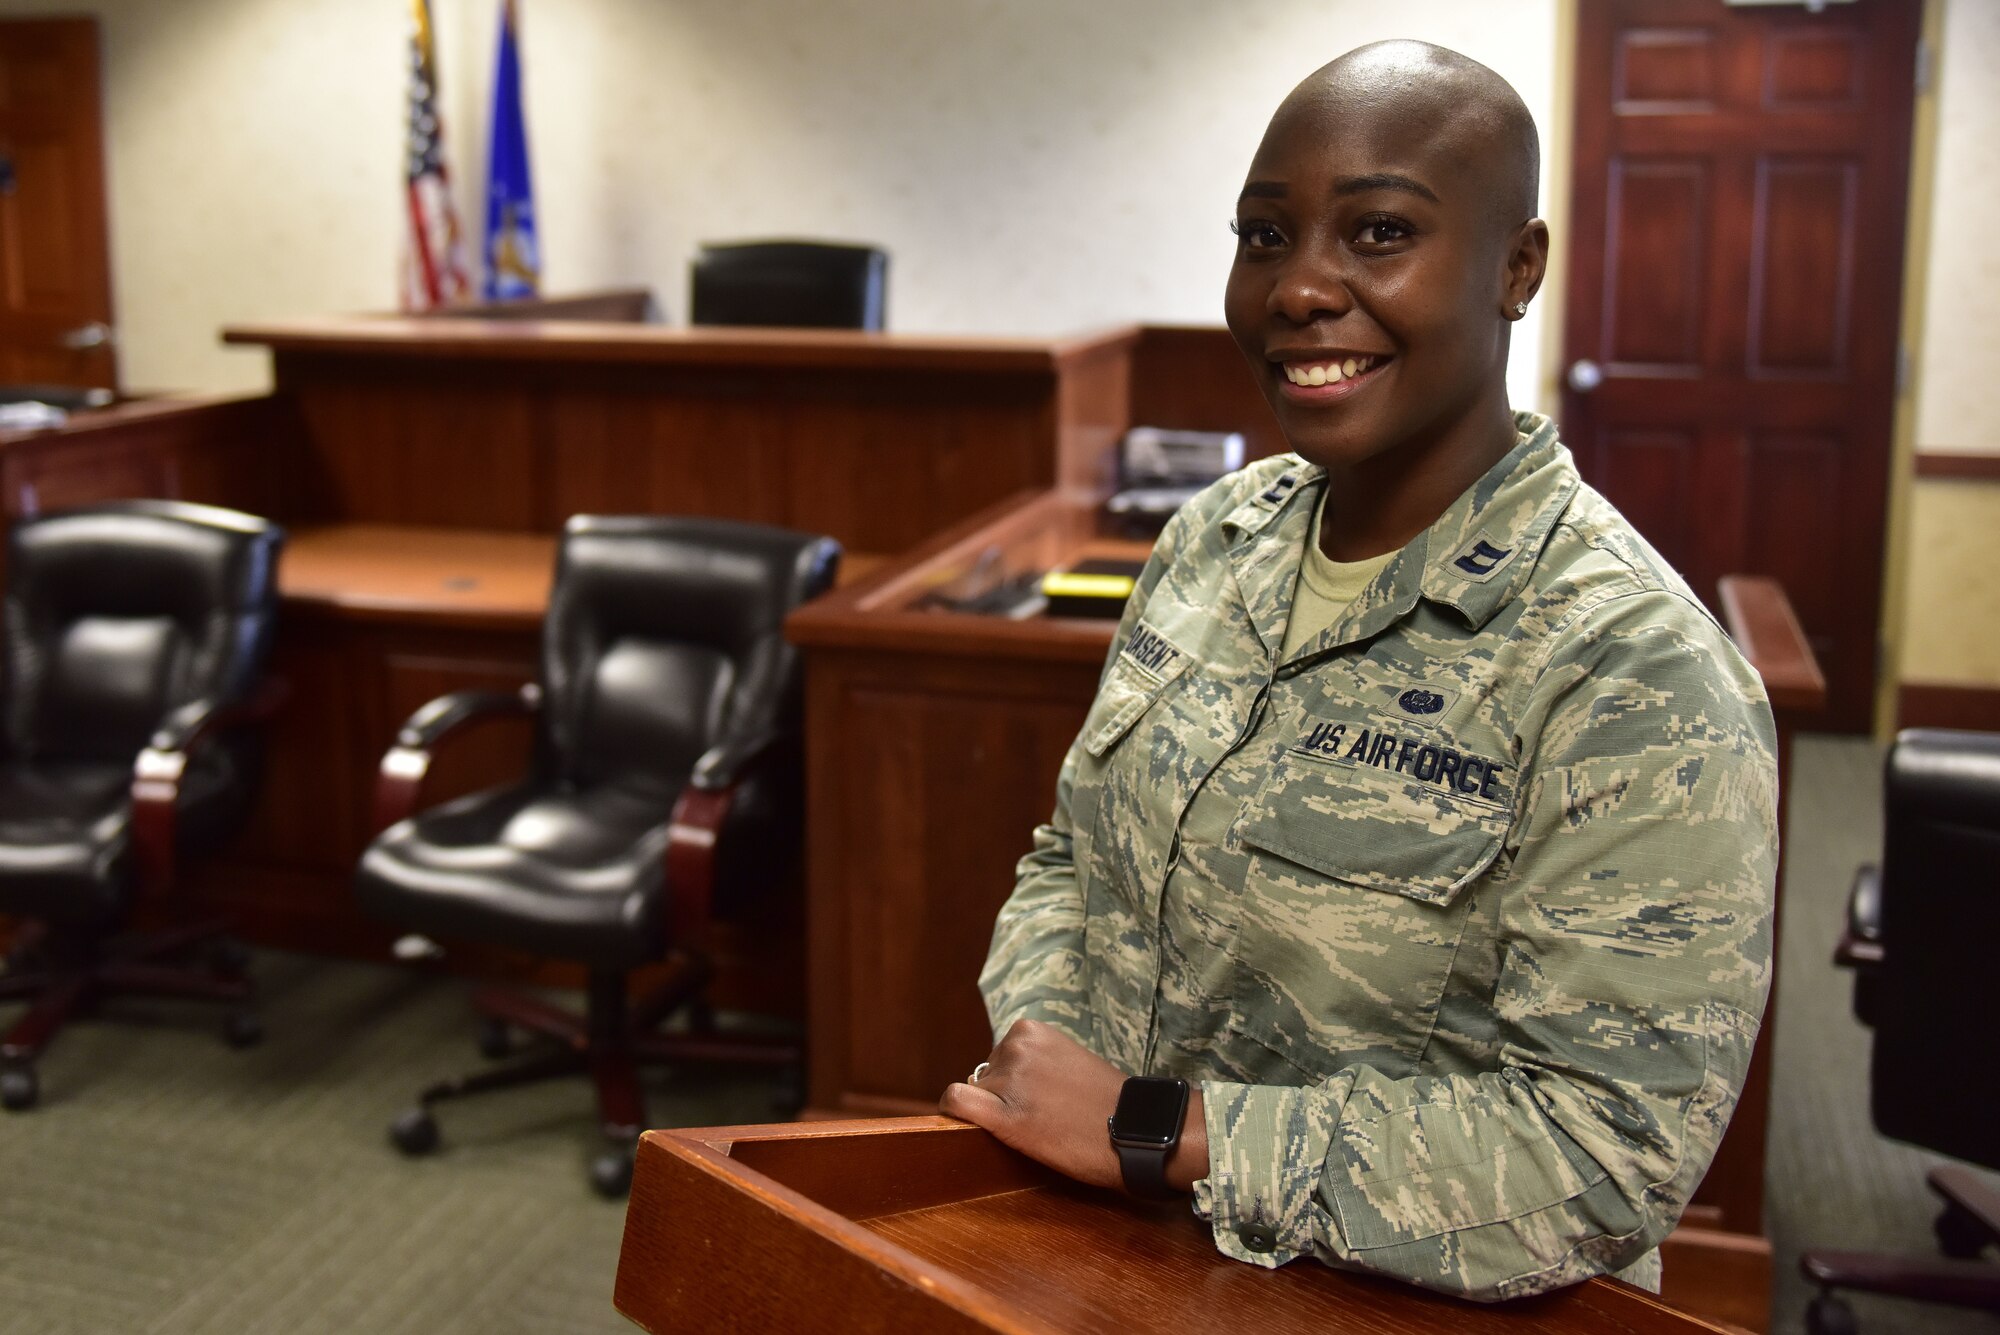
{"x": 1145, "y": 1129}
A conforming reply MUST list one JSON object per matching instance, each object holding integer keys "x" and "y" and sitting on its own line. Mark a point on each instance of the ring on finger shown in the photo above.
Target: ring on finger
{"x": 977, "y": 1071}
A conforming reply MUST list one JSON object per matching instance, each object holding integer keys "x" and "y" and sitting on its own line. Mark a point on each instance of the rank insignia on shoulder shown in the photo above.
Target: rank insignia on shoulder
{"x": 1481, "y": 559}
{"x": 1280, "y": 489}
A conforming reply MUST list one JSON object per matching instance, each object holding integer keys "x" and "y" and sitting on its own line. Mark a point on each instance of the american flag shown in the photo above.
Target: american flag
{"x": 435, "y": 272}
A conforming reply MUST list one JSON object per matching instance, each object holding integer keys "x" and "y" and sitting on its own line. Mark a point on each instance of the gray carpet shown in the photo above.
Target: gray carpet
{"x": 168, "y": 1184}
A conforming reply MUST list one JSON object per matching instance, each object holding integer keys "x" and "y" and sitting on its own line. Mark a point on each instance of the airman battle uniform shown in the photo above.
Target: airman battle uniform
{"x": 1460, "y": 914}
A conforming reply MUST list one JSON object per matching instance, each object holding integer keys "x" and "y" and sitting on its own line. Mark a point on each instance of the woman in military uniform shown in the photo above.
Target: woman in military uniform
{"x": 1422, "y": 834}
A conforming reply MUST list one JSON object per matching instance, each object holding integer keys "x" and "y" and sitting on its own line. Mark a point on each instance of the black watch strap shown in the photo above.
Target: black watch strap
{"x": 1145, "y": 1170}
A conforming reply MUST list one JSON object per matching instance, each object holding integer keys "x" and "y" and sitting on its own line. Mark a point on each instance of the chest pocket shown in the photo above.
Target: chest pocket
{"x": 1128, "y": 691}
{"x": 1355, "y": 899}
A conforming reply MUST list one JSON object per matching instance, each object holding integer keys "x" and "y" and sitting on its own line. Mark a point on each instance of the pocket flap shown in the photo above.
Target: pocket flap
{"x": 1129, "y": 690}
{"x": 1372, "y": 831}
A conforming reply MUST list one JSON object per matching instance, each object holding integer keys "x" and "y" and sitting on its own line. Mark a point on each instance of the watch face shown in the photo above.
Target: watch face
{"x": 1150, "y": 1108}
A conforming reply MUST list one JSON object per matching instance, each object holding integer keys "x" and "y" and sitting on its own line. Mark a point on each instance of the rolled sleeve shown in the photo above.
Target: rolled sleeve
{"x": 1266, "y": 1148}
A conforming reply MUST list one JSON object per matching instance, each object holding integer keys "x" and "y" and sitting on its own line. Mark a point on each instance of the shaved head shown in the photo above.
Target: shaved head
{"x": 1431, "y": 92}
{"x": 1386, "y": 244}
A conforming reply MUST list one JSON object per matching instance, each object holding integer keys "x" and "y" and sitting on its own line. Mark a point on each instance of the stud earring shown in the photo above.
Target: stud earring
{"x": 1520, "y": 308}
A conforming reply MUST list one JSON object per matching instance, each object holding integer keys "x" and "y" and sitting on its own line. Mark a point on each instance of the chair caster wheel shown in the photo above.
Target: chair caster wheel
{"x": 1828, "y": 1315}
{"x": 495, "y": 1041}
{"x": 242, "y": 1030}
{"x": 1960, "y": 1235}
{"x": 611, "y": 1173}
{"x": 229, "y": 959}
{"x": 788, "y": 1091}
{"x": 414, "y": 1131}
{"x": 19, "y": 1089}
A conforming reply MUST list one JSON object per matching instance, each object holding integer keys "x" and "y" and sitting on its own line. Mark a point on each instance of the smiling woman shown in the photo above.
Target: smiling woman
{"x": 1423, "y": 829}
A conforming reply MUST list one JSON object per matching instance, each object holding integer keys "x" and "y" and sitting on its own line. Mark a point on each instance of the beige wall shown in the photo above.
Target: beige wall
{"x": 1033, "y": 166}
{"x": 1947, "y": 583}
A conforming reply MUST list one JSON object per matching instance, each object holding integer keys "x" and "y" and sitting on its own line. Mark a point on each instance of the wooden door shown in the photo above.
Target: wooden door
{"x": 55, "y": 269}
{"x": 1731, "y": 336}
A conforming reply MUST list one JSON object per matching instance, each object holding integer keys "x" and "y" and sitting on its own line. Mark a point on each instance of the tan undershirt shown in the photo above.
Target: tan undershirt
{"x": 1325, "y": 590}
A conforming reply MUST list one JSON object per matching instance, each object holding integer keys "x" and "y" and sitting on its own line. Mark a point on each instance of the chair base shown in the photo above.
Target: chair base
{"x": 1969, "y": 1223}
{"x": 63, "y": 980}
{"x": 610, "y": 1042}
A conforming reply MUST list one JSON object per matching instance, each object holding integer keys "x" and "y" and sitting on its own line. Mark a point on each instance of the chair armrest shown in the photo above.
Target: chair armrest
{"x": 400, "y": 779}
{"x": 726, "y": 764}
{"x": 423, "y": 730}
{"x": 695, "y": 829}
{"x": 1860, "y": 943}
{"x": 187, "y": 726}
{"x": 163, "y": 761}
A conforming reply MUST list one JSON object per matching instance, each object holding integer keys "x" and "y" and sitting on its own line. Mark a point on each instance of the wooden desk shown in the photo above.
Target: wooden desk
{"x": 933, "y": 743}
{"x": 421, "y": 576}
{"x": 424, "y": 466}
{"x": 927, "y": 1224}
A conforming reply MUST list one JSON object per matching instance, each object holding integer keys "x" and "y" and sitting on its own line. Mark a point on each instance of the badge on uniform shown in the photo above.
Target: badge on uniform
{"x": 1481, "y": 559}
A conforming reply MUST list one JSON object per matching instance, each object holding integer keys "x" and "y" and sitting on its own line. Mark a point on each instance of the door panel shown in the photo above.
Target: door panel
{"x": 1657, "y": 209}
{"x": 1802, "y": 268}
{"x": 55, "y": 276}
{"x": 1737, "y": 241}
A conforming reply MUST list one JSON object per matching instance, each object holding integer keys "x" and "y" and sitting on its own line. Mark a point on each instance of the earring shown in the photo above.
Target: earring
{"x": 1520, "y": 308}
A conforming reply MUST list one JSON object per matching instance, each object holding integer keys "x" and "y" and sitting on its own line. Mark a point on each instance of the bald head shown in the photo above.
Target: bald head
{"x": 1416, "y": 90}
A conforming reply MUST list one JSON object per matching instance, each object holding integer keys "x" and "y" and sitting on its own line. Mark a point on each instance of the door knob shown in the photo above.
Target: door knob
{"x": 87, "y": 336}
{"x": 1585, "y": 375}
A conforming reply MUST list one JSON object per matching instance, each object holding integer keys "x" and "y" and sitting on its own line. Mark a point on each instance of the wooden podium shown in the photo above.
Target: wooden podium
{"x": 929, "y": 1224}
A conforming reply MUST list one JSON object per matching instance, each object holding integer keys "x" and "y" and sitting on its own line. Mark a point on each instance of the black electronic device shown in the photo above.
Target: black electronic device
{"x": 1160, "y": 470}
{"x": 1145, "y": 1127}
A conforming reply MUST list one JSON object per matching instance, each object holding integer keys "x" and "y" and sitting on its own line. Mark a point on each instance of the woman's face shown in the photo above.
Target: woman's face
{"x": 1370, "y": 280}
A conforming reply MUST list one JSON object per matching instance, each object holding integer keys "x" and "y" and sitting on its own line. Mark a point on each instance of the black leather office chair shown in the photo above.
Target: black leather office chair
{"x": 136, "y": 636}
{"x": 799, "y": 284}
{"x": 1922, "y": 930}
{"x": 665, "y": 790}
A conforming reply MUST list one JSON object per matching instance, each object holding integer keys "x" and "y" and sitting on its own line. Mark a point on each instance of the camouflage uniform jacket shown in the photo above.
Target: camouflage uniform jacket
{"x": 1471, "y": 966}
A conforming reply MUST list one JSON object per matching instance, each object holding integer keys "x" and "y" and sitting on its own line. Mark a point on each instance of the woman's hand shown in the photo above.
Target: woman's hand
{"x": 1048, "y": 1096}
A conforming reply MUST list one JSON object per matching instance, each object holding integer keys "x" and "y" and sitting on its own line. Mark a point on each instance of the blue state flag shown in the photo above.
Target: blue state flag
{"x": 513, "y": 265}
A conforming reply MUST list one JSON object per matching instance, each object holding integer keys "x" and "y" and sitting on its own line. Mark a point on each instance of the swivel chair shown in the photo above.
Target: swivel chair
{"x": 665, "y": 790}
{"x": 136, "y": 636}
{"x": 797, "y": 284}
{"x": 1920, "y": 934}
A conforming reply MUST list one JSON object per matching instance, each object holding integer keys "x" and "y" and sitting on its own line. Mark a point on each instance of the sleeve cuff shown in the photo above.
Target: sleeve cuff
{"x": 1267, "y": 1145}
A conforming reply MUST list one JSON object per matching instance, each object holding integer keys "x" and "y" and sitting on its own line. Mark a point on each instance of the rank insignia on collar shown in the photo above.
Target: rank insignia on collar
{"x": 1480, "y": 560}
{"x": 1279, "y": 489}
